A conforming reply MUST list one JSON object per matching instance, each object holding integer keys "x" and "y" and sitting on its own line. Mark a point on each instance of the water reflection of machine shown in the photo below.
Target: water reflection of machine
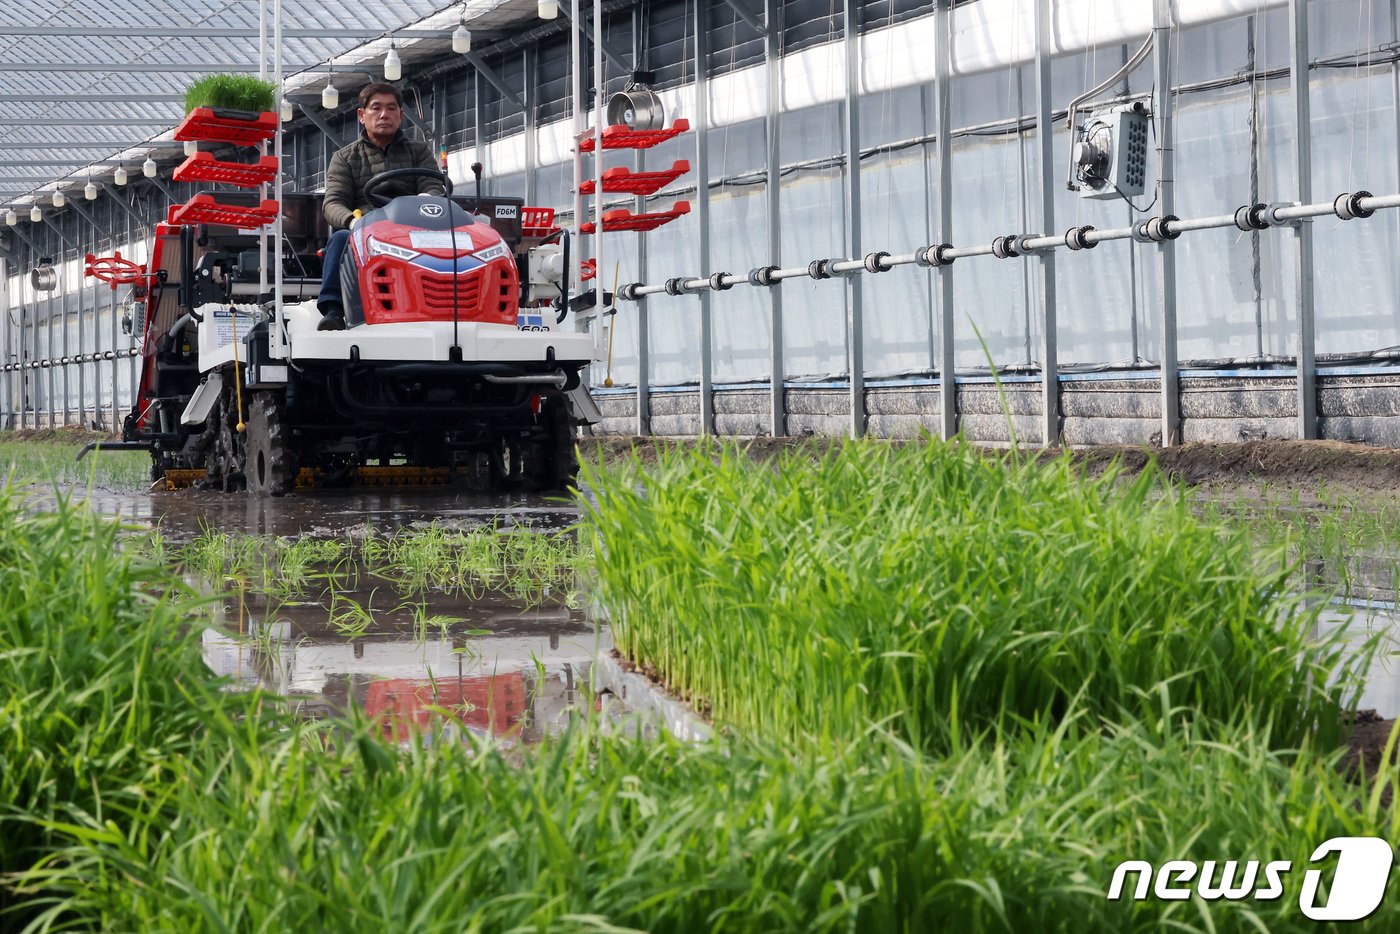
{"x": 511, "y": 687}
{"x": 492, "y": 705}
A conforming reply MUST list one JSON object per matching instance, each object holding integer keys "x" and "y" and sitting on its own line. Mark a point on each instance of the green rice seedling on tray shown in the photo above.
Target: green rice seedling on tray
{"x": 929, "y": 585}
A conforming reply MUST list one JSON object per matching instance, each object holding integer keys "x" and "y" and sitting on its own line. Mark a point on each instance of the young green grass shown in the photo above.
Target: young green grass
{"x": 1341, "y": 542}
{"x": 239, "y": 92}
{"x": 531, "y": 566}
{"x": 140, "y": 795}
{"x": 929, "y": 585}
{"x": 52, "y": 461}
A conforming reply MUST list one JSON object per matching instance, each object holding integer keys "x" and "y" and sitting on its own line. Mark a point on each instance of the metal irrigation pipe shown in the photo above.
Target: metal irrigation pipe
{"x": 1346, "y": 206}
{"x": 65, "y": 361}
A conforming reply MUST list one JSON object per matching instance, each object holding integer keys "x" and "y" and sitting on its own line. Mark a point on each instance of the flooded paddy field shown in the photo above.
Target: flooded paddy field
{"x": 934, "y": 683}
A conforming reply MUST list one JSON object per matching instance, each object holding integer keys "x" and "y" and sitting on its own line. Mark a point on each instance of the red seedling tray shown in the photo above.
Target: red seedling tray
{"x": 620, "y": 136}
{"x": 203, "y": 167}
{"x": 624, "y": 219}
{"x": 204, "y": 209}
{"x": 203, "y": 123}
{"x": 537, "y": 222}
{"x": 637, "y": 183}
{"x": 114, "y": 270}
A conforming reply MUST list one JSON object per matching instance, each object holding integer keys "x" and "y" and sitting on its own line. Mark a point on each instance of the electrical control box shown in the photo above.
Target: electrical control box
{"x": 1110, "y": 156}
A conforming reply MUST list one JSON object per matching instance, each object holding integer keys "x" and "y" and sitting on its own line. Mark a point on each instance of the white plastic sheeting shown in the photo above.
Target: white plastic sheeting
{"x": 1230, "y": 304}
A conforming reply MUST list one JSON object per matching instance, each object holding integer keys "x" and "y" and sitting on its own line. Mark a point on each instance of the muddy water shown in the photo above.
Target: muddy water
{"x": 504, "y": 667}
{"x": 329, "y": 513}
{"x": 479, "y": 663}
{"x": 1358, "y": 619}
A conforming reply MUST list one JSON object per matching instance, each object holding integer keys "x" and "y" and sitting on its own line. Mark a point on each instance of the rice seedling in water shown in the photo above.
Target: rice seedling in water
{"x": 932, "y": 585}
{"x": 53, "y": 462}
{"x": 532, "y": 566}
{"x": 138, "y": 795}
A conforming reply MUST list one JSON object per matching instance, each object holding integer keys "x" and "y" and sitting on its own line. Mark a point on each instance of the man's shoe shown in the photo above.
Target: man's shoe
{"x": 331, "y": 322}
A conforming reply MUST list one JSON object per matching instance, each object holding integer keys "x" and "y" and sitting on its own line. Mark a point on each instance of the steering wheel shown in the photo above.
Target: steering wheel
{"x": 371, "y": 190}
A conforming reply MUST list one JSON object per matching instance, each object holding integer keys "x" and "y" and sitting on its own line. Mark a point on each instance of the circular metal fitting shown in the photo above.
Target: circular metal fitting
{"x": 1074, "y": 238}
{"x": 1251, "y": 217}
{"x": 819, "y": 269}
{"x": 1348, "y": 205}
{"x": 1157, "y": 230}
{"x": 762, "y": 275}
{"x": 675, "y": 286}
{"x": 873, "y": 261}
{"x": 628, "y": 292}
{"x": 717, "y": 283}
{"x": 1005, "y": 247}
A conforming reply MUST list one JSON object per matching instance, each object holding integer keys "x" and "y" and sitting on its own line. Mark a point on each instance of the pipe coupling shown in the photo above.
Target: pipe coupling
{"x": 628, "y": 291}
{"x": 763, "y": 275}
{"x": 819, "y": 269}
{"x": 675, "y": 286}
{"x": 1157, "y": 229}
{"x": 717, "y": 283}
{"x": 874, "y": 262}
{"x": 1005, "y": 247}
{"x": 1348, "y": 205}
{"x": 1074, "y": 238}
{"x": 1251, "y": 217}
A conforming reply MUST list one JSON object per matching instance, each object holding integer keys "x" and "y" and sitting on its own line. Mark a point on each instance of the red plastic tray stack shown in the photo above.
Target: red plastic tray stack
{"x": 241, "y": 128}
{"x": 625, "y": 181}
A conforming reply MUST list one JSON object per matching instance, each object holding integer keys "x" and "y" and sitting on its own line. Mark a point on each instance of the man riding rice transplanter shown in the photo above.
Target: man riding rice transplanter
{"x": 382, "y": 146}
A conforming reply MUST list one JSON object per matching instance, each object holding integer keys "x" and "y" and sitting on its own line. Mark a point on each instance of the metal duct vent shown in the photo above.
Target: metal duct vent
{"x": 636, "y": 106}
{"x": 44, "y": 277}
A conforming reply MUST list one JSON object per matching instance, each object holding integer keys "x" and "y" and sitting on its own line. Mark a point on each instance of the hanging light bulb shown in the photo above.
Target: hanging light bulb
{"x": 191, "y": 147}
{"x": 90, "y": 190}
{"x": 549, "y": 9}
{"x": 461, "y": 39}
{"x": 287, "y": 113}
{"x": 330, "y": 97}
{"x": 35, "y": 214}
{"x": 58, "y": 200}
{"x": 148, "y": 168}
{"x": 119, "y": 176}
{"x": 11, "y": 217}
{"x": 393, "y": 68}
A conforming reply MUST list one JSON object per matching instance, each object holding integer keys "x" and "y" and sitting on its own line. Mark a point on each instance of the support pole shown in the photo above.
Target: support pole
{"x": 1166, "y": 250}
{"x": 529, "y": 56}
{"x": 943, "y": 157}
{"x": 1049, "y": 347}
{"x": 855, "y": 292}
{"x": 643, "y": 420}
{"x": 6, "y": 380}
{"x": 599, "y": 261}
{"x": 772, "y": 46}
{"x": 1302, "y": 148}
{"x": 702, "y": 210}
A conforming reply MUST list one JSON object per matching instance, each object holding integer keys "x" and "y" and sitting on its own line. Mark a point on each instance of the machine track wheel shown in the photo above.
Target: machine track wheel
{"x": 553, "y": 464}
{"x": 270, "y": 466}
{"x": 225, "y": 445}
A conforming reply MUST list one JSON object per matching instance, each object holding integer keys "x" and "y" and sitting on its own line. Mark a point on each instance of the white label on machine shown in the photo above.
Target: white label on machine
{"x": 438, "y": 240}
{"x": 272, "y": 373}
{"x": 227, "y": 321}
{"x": 505, "y": 211}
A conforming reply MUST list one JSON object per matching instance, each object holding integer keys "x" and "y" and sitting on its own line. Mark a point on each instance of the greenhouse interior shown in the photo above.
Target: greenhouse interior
{"x": 663, "y": 465}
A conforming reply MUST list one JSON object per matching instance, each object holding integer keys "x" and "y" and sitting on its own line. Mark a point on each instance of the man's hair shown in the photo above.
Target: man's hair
{"x": 379, "y": 87}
